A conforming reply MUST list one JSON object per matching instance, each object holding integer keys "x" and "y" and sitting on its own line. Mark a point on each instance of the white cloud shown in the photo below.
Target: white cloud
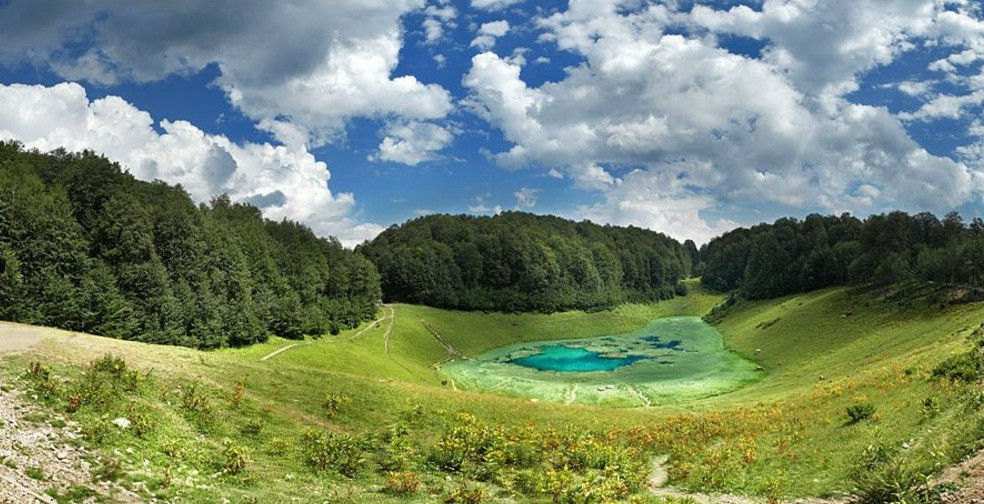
{"x": 488, "y": 33}
{"x": 945, "y": 107}
{"x": 319, "y": 63}
{"x": 915, "y": 88}
{"x": 714, "y": 127}
{"x": 493, "y": 5}
{"x": 481, "y": 205}
{"x": 412, "y": 143}
{"x": 526, "y": 198}
{"x": 438, "y": 17}
{"x": 642, "y": 199}
{"x": 286, "y": 182}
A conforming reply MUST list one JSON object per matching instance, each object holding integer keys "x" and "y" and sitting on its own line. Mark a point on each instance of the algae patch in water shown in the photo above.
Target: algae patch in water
{"x": 668, "y": 360}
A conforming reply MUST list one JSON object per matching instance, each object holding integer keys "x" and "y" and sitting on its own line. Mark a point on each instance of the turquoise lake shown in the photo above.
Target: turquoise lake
{"x": 567, "y": 359}
{"x": 667, "y": 360}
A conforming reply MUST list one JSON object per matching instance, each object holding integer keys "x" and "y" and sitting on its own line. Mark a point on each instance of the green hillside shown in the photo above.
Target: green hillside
{"x": 367, "y": 416}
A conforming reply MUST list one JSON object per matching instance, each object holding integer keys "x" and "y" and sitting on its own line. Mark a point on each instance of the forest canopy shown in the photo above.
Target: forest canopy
{"x": 790, "y": 255}
{"x": 85, "y": 246}
{"x": 518, "y": 261}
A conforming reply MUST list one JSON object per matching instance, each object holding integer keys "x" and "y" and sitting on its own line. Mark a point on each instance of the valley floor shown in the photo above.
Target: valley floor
{"x": 239, "y": 424}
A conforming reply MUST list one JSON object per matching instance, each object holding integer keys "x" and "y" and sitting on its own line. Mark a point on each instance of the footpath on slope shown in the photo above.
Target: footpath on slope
{"x": 371, "y": 325}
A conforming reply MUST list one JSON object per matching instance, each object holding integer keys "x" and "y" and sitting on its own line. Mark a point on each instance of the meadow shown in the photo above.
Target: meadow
{"x": 847, "y": 404}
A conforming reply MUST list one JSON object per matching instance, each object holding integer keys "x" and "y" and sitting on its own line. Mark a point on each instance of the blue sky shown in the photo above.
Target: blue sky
{"x": 687, "y": 117}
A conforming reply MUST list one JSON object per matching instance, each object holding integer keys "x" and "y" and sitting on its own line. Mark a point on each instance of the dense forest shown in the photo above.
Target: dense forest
{"x": 84, "y": 246}
{"x": 517, "y": 261}
{"x": 790, "y": 255}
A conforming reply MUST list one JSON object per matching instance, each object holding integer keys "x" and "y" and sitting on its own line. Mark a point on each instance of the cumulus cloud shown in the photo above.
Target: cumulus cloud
{"x": 493, "y": 5}
{"x": 284, "y": 181}
{"x": 318, "y": 64}
{"x": 945, "y": 107}
{"x": 526, "y": 198}
{"x": 488, "y": 33}
{"x": 705, "y": 126}
{"x": 652, "y": 200}
{"x": 438, "y": 17}
{"x": 412, "y": 143}
{"x": 482, "y": 205}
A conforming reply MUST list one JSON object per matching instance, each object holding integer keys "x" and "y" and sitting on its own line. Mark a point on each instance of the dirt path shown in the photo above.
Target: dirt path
{"x": 452, "y": 351}
{"x": 642, "y": 397}
{"x": 371, "y": 325}
{"x": 571, "y": 395}
{"x": 280, "y": 351}
{"x": 17, "y": 338}
{"x": 389, "y": 329}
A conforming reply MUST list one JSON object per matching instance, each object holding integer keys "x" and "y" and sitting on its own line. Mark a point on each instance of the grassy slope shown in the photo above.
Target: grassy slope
{"x": 785, "y": 432}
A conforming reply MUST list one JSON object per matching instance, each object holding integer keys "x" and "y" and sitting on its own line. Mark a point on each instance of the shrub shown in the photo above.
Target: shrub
{"x": 681, "y": 289}
{"x": 467, "y": 494}
{"x": 110, "y": 364}
{"x": 468, "y": 444}
{"x": 965, "y": 367}
{"x": 195, "y": 401}
{"x": 880, "y": 477}
{"x": 237, "y": 393}
{"x": 41, "y": 381}
{"x": 235, "y": 458}
{"x": 402, "y": 483}
{"x": 251, "y": 429}
{"x": 334, "y": 402}
{"x": 338, "y": 452}
{"x": 278, "y": 446}
{"x": 859, "y": 411}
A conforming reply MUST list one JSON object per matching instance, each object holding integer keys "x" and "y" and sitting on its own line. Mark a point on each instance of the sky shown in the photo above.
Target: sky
{"x": 687, "y": 117}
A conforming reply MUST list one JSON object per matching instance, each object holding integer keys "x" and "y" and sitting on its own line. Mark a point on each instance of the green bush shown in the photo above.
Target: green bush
{"x": 467, "y": 494}
{"x": 329, "y": 451}
{"x": 334, "y": 403}
{"x": 235, "y": 458}
{"x": 110, "y": 364}
{"x": 965, "y": 367}
{"x": 402, "y": 483}
{"x": 860, "y": 411}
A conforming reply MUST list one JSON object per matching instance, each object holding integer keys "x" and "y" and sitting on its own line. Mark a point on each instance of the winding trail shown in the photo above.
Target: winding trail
{"x": 571, "y": 395}
{"x": 452, "y": 351}
{"x": 280, "y": 351}
{"x": 372, "y": 324}
{"x": 389, "y": 329}
{"x": 642, "y": 397}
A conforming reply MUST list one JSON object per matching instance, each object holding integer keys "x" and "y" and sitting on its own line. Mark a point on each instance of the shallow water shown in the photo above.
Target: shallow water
{"x": 668, "y": 360}
{"x": 568, "y": 359}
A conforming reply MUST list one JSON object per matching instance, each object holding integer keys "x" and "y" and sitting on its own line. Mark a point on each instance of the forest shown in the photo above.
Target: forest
{"x": 518, "y": 261}
{"x": 85, "y": 246}
{"x": 790, "y": 255}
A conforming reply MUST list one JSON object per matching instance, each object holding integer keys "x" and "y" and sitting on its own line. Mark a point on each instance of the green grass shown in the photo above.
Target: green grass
{"x": 241, "y": 434}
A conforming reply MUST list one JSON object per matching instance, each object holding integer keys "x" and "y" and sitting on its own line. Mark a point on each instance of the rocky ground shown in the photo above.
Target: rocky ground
{"x": 969, "y": 477}
{"x": 40, "y": 456}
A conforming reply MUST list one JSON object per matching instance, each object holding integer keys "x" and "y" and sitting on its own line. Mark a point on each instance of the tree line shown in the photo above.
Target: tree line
{"x": 790, "y": 255}
{"x": 85, "y": 246}
{"x": 518, "y": 261}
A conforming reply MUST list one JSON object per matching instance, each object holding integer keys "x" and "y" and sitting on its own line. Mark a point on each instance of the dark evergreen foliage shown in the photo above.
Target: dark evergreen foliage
{"x": 85, "y": 246}
{"x": 790, "y": 255}
{"x": 523, "y": 262}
